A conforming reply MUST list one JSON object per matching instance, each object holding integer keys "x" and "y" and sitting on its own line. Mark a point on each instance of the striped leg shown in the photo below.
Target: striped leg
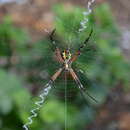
{"x": 80, "y": 86}
{"x": 76, "y": 55}
{"x": 54, "y": 77}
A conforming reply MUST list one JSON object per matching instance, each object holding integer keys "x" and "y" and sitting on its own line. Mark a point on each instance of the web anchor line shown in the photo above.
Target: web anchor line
{"x": 65, "y": 101}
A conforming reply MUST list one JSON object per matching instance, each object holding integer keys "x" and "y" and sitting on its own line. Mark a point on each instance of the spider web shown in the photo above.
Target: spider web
{"x": 44, "y": 65}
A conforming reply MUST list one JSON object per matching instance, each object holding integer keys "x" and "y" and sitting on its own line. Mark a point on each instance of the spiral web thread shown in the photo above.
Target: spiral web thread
{"x": 38, "y": 104}
{"x": 85, "y": 14}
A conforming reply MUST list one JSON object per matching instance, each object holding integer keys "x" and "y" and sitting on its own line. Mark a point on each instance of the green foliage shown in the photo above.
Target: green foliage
{"x": 8, "y": 89}
{"x": 102, "y": 63}
{"x": 67, "y": 24}
{"x": 12, "y": 39}
{"x": 11, "y": 98}
{"x": 108, "y": 59}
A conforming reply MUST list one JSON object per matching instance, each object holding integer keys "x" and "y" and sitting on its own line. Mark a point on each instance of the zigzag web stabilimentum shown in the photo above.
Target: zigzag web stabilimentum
{"x": 47, "y": 87}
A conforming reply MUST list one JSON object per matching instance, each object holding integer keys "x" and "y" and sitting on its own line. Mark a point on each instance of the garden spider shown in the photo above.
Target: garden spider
{"x": 65, "y": 58}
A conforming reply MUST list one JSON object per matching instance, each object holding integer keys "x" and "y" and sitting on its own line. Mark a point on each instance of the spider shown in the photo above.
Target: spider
{"x": 65, "y": 58}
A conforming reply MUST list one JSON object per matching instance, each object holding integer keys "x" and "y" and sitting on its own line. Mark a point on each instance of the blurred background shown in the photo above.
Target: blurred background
{"x": 27, "y": 62}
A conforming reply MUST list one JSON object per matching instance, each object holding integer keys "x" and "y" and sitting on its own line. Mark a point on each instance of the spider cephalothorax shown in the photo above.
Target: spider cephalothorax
{"x": 66, "y": 59}
{"x": 66, "y": 56}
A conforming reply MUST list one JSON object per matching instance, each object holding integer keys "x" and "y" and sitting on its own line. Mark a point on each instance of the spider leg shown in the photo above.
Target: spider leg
{"x": 58, "y": 55}
{"x": 86, "y": 40}
{"x": 56, "y": 49}
{"x": 55, "y": 76}
{"x": 80, "y": 86}
{"x": 75, "y": 56}
{"x": 51, "y": 37}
